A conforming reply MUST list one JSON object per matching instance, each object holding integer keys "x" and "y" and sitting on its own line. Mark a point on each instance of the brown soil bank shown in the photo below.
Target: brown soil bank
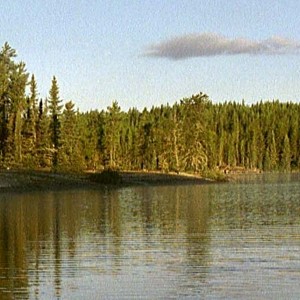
{"x": 21, "y": 181}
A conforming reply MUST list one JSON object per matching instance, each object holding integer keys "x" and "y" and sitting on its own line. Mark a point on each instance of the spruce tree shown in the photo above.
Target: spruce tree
{"x": 43, "y": 137}
{"x": 286, "y": 155}
{"x": 17, "y": 99}
{"x": 29, "y": 136}
{"x": 7, "y": 55}
{"x": 70, "y": 156}
{"x": 55, "y": 108}
{"x": 13, "y": 80}
{"x": 112, "y": 135}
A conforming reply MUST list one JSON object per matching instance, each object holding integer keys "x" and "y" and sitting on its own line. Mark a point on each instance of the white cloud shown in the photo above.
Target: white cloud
{"x": 211, "y": 44}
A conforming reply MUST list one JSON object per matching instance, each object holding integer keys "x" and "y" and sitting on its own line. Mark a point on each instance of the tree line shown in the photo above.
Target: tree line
{"x": 192, "y": 135}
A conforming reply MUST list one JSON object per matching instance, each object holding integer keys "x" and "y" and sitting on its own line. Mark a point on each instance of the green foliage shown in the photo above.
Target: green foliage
{"x": 112, "y": 130}
{"x": 286, "y": 154}
{"x": 193, "y": 135}
{"x": 55, "y": 124}
{"x": 13, "y": 80}
{"x": 43, "y": 137}
{"x": 29, "y": 127}
{"x": 70, "y": 149}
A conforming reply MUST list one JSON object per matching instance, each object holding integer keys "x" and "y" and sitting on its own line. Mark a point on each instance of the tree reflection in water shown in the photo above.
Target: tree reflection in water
{"x": 162, "y": 241}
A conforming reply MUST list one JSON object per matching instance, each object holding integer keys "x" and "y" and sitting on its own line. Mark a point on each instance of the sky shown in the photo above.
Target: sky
{"x": 151, "y": 52}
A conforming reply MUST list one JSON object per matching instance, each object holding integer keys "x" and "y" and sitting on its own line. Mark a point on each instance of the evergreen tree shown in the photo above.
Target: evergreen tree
{"x": 16, "y": 96}
{"x": 286, "y": 155}
{"x": 29, "y": 136}
{"x": 133, "y": 135}
{"x": 55, "y": 108}
{"x": 149, "y": 156}
{"x": 293, "y": 134}
{"x": 7, "y": 55}
{"x": 194, "y": 118}
{"x": 91, "y": 132}
{"x": 43, "y": 137}
{"x": 112, "y": 135}
{"x": 273, "y": 153}
{"x": 70, "y": 152}
{"x": 192, "y": 135}
{"x": 177, "y": 137}
{"x": 13, "y": 79}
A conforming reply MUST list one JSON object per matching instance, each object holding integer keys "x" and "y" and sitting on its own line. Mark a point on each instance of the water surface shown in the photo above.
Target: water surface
{"x": 220, "y": 241}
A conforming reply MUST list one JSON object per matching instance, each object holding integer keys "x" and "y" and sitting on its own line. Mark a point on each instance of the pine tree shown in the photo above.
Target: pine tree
{"x": 273, "y": 152}
{"x": 149, "y": 155}
{"x": 55, "y": 108}
{"x": 16, "y": 94}
{"x": 293, "y": 134}
{"x": 286, "y": 155}
{"x": 13, "y": 80}
{"x": 112, "y": 135}
{"x": 133, "y": 117}
{"x": 43, "y": 137}
{"x": 70, "y": 156}
{"x": 7, "y": 55}
{"x": 177, "y": 136}
{"x": 91, "y": 132}
{"x": 194, "y": 120}
{"x": 29, "y": 138}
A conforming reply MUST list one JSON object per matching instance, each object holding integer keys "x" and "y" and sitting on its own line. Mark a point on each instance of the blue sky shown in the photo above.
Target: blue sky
{"x": 99, "y": 50}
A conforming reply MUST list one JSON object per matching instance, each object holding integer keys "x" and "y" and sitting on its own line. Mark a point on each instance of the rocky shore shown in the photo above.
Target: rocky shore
{"x": 22, "y": 181}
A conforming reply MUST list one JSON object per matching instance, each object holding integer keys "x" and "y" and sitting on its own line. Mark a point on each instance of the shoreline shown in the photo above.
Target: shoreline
{"x": 28, "y": 181}
{"x": 158, "y": 178}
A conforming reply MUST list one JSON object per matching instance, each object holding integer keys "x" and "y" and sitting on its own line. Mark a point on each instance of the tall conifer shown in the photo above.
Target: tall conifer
{"x": 55, "y": 108}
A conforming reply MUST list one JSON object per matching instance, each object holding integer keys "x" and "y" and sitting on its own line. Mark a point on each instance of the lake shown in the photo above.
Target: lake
{"x": 217, "y": 241}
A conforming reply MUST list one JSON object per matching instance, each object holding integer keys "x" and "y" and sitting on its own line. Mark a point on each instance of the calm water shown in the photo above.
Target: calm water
{"x": 236, "y": 240}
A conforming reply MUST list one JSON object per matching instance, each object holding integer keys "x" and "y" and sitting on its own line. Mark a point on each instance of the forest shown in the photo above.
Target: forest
{"x": 193, "y": 135}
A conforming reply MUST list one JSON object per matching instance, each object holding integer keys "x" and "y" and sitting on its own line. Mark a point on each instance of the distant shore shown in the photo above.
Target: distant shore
{"x": 26, "y": 181}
